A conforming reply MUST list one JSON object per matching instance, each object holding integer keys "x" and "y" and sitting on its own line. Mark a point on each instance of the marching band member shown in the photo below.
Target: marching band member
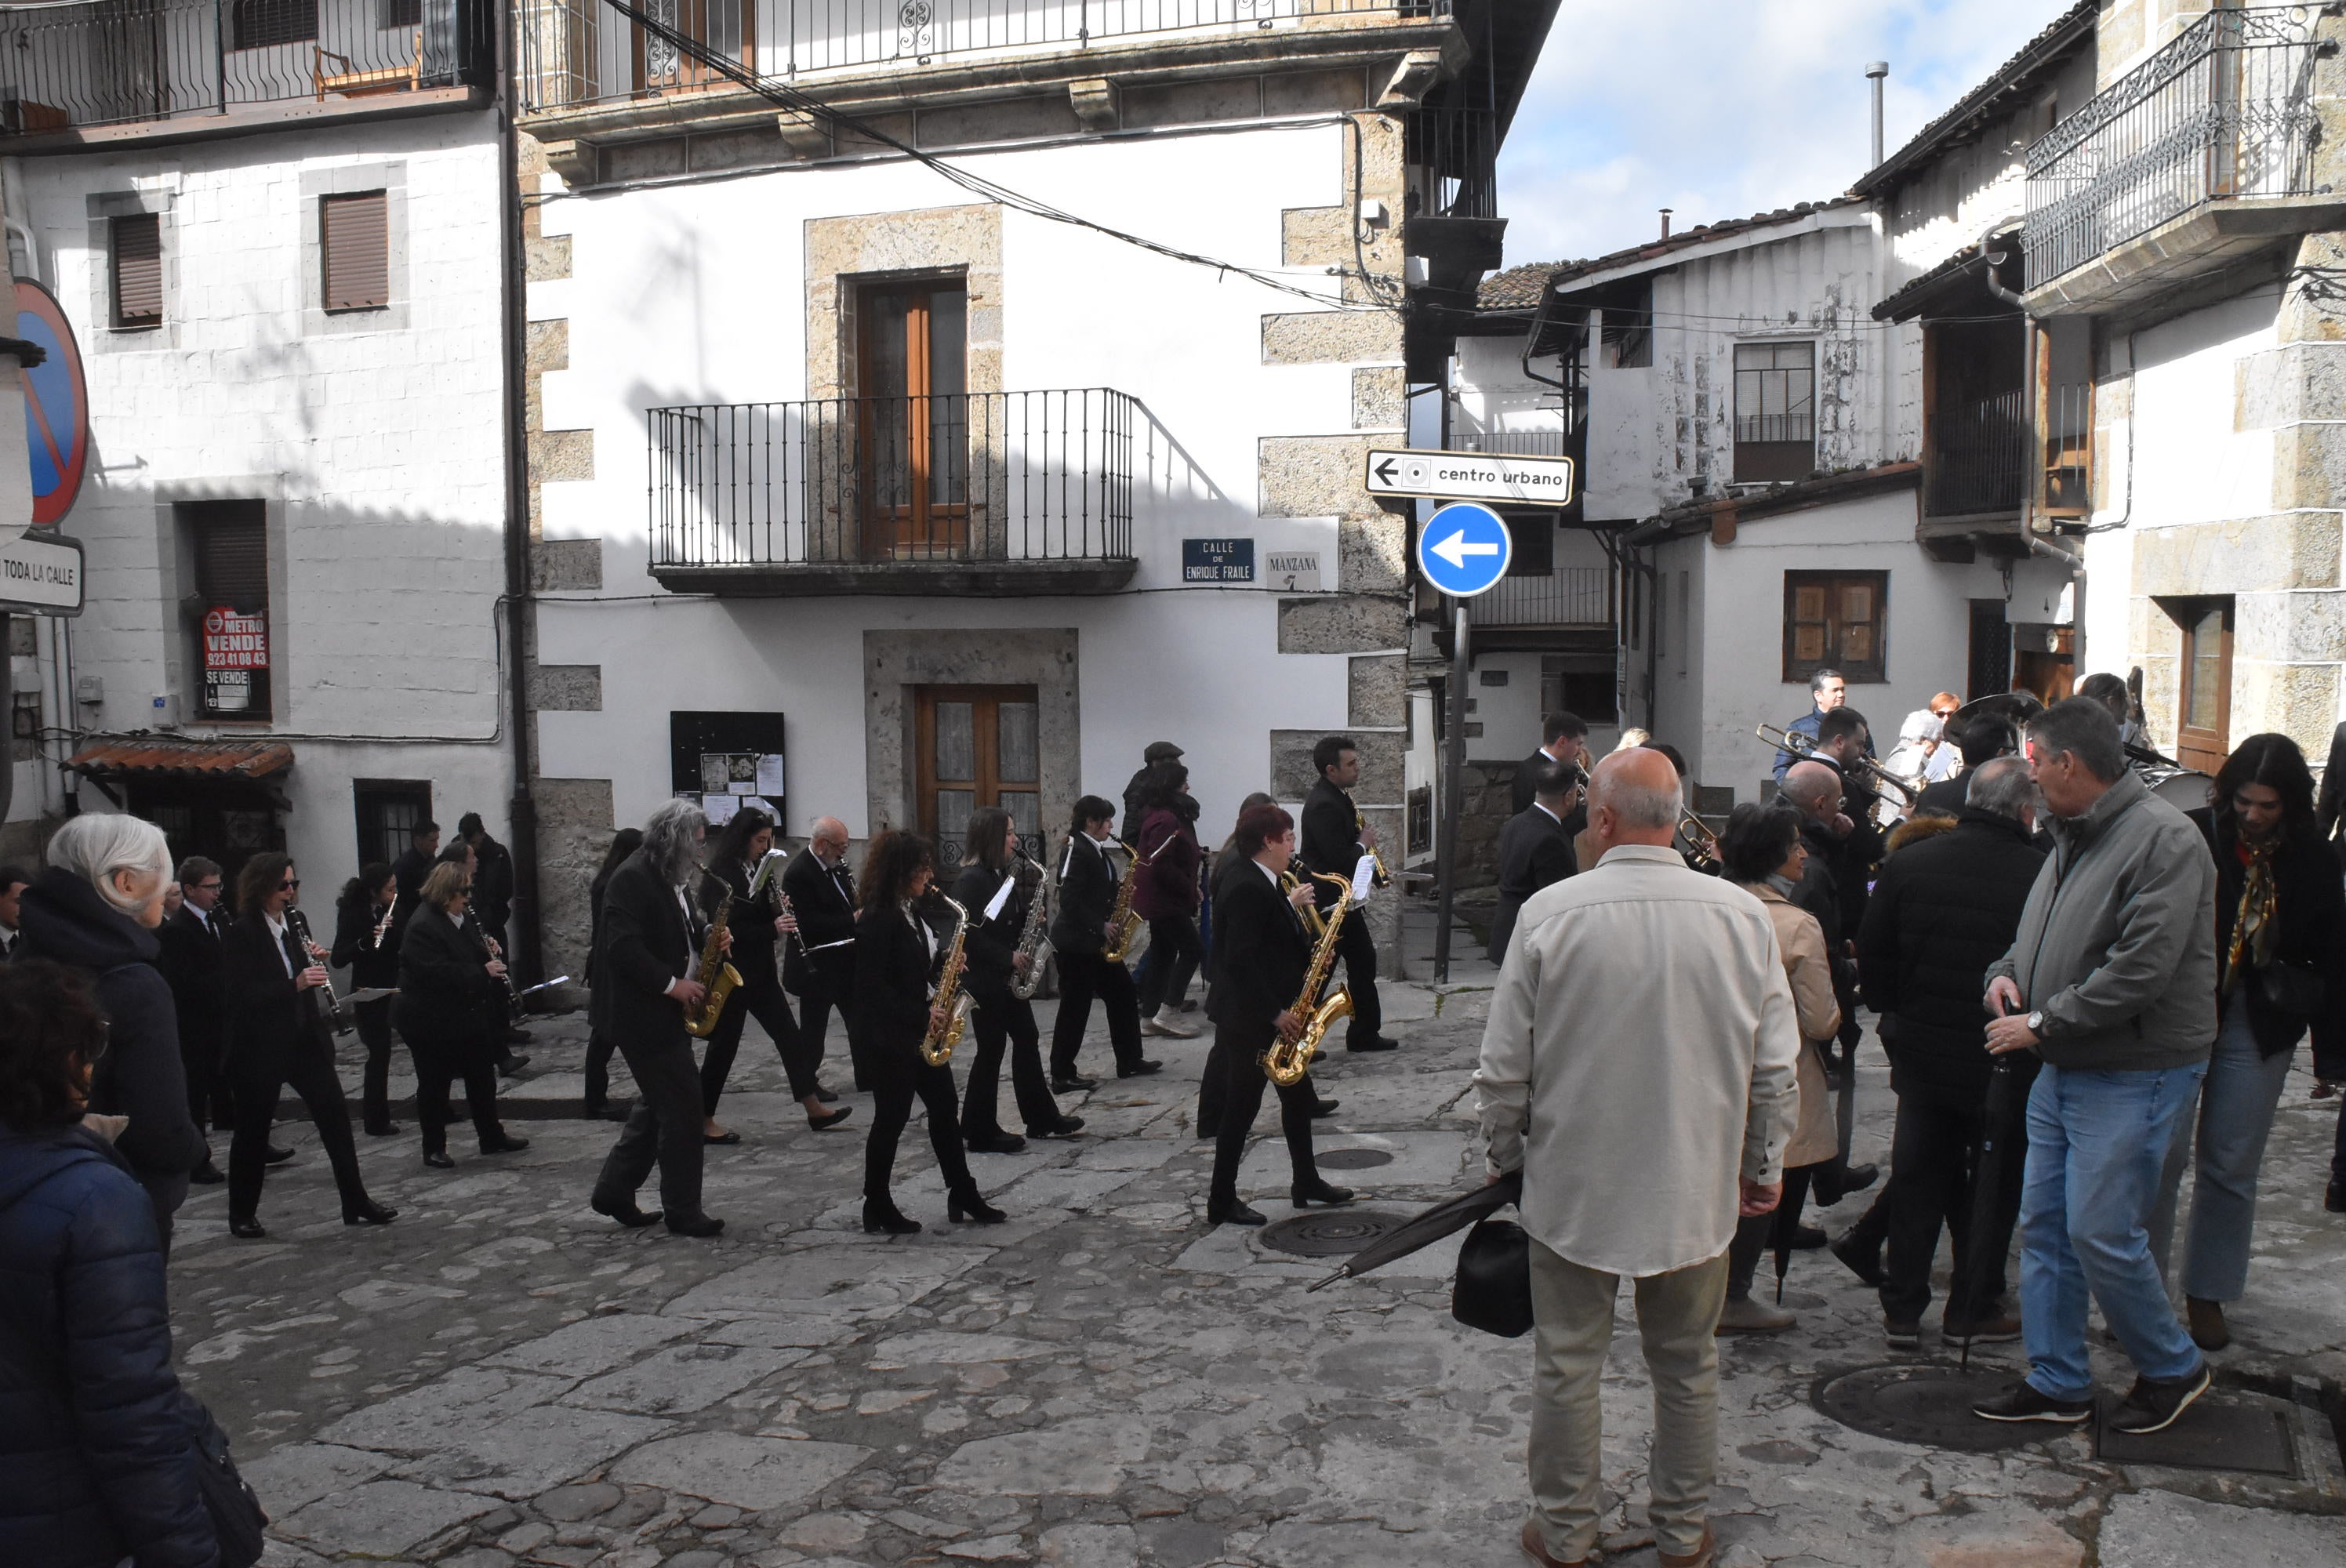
{"x": 1334, "y": 840}
{"x": 451, "y": 1002}
{"x": 364, "y": 917}
{"x": 1080, "y": 932}
{"x": 818, "y": 968}
{"x": 999, "y": 903}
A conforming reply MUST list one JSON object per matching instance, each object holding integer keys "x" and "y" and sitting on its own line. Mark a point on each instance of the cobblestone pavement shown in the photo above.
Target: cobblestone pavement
{"x": 503, "y": 1378}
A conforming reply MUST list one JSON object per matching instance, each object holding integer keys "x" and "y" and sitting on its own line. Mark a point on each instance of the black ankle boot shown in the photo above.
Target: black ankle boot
{"x": 1303, "y": 1193}
{"x": 880, "y": 1216}
{"x": 967, "y": 1203}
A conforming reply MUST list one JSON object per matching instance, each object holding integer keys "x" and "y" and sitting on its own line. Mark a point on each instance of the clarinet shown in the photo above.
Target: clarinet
{"x": 329, "y": 1006}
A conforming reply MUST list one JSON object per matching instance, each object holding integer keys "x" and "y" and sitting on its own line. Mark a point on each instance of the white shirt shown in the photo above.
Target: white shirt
{"x": 1549, "y": 814}
{"x": 276, "y": 935}
{"x": 1638, "y": 1058}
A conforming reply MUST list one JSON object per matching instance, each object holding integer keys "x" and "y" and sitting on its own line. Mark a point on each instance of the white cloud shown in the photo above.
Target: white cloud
{"x": 1722, "y": 109}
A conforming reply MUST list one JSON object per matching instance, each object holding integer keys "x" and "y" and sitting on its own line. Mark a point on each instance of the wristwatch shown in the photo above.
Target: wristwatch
{"x": 2037, "y": 1022}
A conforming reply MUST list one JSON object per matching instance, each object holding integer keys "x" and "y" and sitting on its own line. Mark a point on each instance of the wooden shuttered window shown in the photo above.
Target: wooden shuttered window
{"x": 136, "y": 243}
{"x": 354, "y": 241}
{"x": 229, "y": 542}
{"x": 1836, "y": 620}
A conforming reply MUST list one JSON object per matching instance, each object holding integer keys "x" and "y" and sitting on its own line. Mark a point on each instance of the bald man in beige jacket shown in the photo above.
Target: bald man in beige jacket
{"x": 1638, "y": 1068}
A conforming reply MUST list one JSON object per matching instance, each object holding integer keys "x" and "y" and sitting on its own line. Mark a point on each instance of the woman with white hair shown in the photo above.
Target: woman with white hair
{"x": 96, "y": 909}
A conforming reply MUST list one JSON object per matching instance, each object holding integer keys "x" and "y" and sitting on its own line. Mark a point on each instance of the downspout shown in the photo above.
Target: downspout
{"x": 2037, "y": 543}
{"x": 528, "y": 930}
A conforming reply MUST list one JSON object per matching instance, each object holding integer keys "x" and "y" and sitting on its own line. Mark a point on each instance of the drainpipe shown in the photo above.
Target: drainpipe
{"x": 529, "y": 929}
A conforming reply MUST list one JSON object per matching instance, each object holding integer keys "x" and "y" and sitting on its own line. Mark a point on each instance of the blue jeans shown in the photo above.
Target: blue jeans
{"x": 2097, "y": 1141}
{"x": 2236, "y": 1117}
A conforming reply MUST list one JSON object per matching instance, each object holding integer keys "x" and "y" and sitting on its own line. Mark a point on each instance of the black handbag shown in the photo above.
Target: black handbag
{"x": 1494, "y": 1288}
{"x": 2293, "y": 989}
{"x": 237, "y": 1517}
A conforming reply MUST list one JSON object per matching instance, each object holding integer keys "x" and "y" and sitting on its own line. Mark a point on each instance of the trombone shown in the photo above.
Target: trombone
{"x": 1865, "y": 768}
{"x": 1698, "y": 843}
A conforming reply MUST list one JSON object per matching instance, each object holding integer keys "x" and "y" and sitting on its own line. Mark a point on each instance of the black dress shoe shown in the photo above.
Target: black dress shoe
{"x": 1071, "y": 1085}
{"x": 1065, "y": 1127}
{"x": 1304, "y": 1197}
{"x": 996, "y": 1144}
{"x": 727, "y": 1136}
{"x": 277, "y": 1157}
{"x": 513, "y": 1065}
{"x": 366, "y": 1211}
{"x": 206, "y": 1175}
{"x": 625, "y": 1211}
{"x": 610, "y": 1111}
{"x": 1377, "y": 1043}
{"x": 881, "y": 1217}
{"x": 508, "y": 1144}
{"x": 1140, "y": 1069}
{"x": 825, "y": 1096}
{"x": 698, "y": 1225}
{"x": 1865, "y": 1265}
{"x": 385, "y": 1130}
{"x": 246, "y": 1226}
{"x": 1324, "y": 1108}
{"x": 1808, "y": 1237}
{"x": 1318, "y": 1054}
{"x": 438, "y": 1160}
{"x": 1237, "y": 1213}
{"x": 2334, "y": 1200}
{"x": 970, "y": 1204}
{"x": 831, "y": 1118}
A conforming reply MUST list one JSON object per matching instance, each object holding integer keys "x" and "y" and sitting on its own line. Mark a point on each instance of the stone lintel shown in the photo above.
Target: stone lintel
{"x": 1344, "y": 624}
{"x": 806, "y": 136}
{"x": 1096, "y": 103}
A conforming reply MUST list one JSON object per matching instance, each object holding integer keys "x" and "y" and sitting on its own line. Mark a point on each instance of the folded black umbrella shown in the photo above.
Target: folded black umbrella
{"x": 1988, "y": 1237}
{"x": 1448, "y": 1217}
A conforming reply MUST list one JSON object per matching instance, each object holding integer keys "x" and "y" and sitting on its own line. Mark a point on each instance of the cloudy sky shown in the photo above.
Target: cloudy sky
{"x": 1722, "y": 109}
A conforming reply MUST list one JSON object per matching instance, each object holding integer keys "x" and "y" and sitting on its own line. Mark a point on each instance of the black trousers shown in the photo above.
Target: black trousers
{"x": 1082, "y": 976}
{"x": 815, "y": 1008}
{"x": 1933, "y": 1156}
{"x": 760, "y": 996}
{"x": 1213, "y": 1088}
{"x": 440, "y": 1060}
{"x": 1173, "y": 954}
{"x": 1000, "y": 1021}
{"x": 1243, "y": 1081}
{"x": 373, "y": 1020}
{"x": 600, "y": 1046}
{"x": 1756, "y": 1234}
{"x": 1359, "y": 951}
{"x": 256, "y": 1077}
{"x": 899, "y": 1076}
{"x": 210, "y": 1102}
{"x": 664, "y": 1128}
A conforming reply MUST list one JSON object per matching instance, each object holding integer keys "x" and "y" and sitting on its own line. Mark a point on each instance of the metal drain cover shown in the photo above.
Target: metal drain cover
{"x": 1336, "y": 1233}
{"x": 2235, "y": 1431}
{"x": 1924, "y": 1402}
{"x": 1353, "y": 1159}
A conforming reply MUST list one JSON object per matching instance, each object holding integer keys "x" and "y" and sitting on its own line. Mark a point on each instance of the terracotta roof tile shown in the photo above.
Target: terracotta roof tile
{"x": 116, "y": 755}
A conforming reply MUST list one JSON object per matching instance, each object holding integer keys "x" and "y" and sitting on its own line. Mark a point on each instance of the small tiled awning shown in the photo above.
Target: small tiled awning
{"x": 162, "y": 757}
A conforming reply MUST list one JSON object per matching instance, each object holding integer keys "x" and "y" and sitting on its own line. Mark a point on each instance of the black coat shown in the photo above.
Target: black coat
{"x": 97, "y": 1455}
{"x": 1522, "y": 795}
{"x": 646, "y": 948}
{"x": 1265, "y": 954}
{"x": 446, "y": 995}
{"x": 1088, "y": 876}
{"x": 1331, "y": 837}
{"x": 141, "y": 1076}
{"x": 191, "y": 966}
{"x": 1819, "y": 889}
{"x": 2312, "y": 905}
{"x": 1534, "y": 851}
{"x": 752, "y": 926}
{"x": 492, "y": 887}
{"x": 2330, "y": 808}
{"x": 268, "y": 1016}
{"x": 1944, "y": 908}
{"x": 598, "y": 990}
{"x": 370, "y": 965}
{"x": 993, "y": 944}
{"x": 893, "y": 964}
{"x": 824, "y": 902}
{"x": 1947, "y": 797}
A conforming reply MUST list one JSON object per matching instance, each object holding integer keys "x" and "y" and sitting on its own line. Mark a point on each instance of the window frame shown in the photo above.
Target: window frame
{"x": 378, "y": 793}
{"x": 115, "y": 226}
{"x": 196, "y": 520}
{"x": 1872, "y": 671}
{"x": 2198, "y": 743}
{"x": 327, "y": 204}
{"x": 985, "y": 786}
{"x": 259, "y": 23}
{"x": 1784, "y": 460}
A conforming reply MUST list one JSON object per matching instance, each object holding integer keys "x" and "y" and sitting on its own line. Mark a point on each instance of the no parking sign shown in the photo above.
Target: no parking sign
{"x": 57, "y": 405}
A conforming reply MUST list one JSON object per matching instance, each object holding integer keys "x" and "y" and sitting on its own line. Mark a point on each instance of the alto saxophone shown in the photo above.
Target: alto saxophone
{"x": 1287, "y": 1060}
{"x": 717, "y": 977}
{"x": 1131, "y": 939}
{"x": 937, "y": 1045}
{"x": 1360, "y": 825}
{"x": 1031, "y": 939}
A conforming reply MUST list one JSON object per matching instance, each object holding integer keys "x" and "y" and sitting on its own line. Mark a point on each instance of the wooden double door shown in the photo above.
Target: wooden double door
{"x": 912, "y": 419}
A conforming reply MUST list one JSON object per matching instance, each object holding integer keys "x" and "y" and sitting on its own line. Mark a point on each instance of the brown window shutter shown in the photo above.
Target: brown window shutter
{"x": 138, "y": 240}
{"x": 355, "y": 235}
{"x": 231, "y": 541}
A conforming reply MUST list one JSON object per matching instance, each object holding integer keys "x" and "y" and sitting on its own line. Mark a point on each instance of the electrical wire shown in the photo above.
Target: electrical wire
{"x": 790, "y": 98}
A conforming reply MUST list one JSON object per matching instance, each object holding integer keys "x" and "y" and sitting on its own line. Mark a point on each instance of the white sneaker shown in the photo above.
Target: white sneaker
{"x": 1150, "y": 1025}
{"x": 1168, "y": 1021}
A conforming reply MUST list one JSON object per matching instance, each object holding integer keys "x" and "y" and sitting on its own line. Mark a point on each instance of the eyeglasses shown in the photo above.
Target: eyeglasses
{"x": 289, "y": 884}
{"x": 210, "y": 887}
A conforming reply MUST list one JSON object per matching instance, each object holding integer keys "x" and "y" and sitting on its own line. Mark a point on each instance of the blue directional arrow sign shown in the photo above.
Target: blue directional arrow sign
{"x": 1463, "y": 549}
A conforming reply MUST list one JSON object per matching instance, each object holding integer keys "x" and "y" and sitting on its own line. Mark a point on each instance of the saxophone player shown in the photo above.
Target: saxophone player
{"x": 1334, "y": 840}
{"x": 999, "y": 902}
{"x": 1263, "y": 959}
{"x": 1081, "y": 931}
{"x": 898, "y": 944}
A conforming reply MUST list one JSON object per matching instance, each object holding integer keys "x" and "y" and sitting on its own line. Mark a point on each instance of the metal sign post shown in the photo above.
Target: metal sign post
{"x": 1463, "y": 550}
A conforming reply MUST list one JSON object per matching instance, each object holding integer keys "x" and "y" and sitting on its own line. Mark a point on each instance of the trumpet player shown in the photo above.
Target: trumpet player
{"x": 363, "y": 918}
{"x": 1081, "y": 931}
{"x": 1262, "y": 958}
{"x": 898, "y": 945}
{"x": 1334, "y": 842}
{"x": 758, "y": 925}
{"x": 999, "y": 900}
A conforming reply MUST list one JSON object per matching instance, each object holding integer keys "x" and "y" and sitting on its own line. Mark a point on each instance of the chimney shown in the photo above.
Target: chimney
{"x": 1666, "y": 223}
{"x": 1876, "y": 72}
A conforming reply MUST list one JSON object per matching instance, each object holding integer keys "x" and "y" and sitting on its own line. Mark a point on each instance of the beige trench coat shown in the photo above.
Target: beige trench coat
{"x": 1802, "y": 942}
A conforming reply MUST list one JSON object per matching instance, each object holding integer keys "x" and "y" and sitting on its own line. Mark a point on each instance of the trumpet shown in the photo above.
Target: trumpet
{"x": 1864, "y": 769}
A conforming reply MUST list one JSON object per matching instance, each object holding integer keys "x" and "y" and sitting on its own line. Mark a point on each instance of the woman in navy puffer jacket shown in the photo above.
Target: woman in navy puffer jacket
{"x": 97, "y": 1459}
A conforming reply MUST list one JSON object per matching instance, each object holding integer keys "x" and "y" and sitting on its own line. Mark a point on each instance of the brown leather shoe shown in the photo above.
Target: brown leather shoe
{"x": 1536, "y": 1550}
{"x": 1700, "y": 1557}
{"x": 2207, "y": 1323}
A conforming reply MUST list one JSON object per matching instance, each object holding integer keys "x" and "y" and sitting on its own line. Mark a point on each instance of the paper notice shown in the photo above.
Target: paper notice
{"x": 721, "y": 808}
{"x": 1364, "y": 878}
{"x": 769, "y": 775}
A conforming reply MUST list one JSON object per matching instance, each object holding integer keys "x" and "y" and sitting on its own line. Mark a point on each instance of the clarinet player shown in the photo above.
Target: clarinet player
{"x": 364, "y": 917}
{"x": 452, "y": 992}
{"x": 999, "y": 902}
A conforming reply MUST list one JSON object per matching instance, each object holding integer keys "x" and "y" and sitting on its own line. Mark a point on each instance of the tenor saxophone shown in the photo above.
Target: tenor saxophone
{"x": 1287, "y": 1060}
{"x": 714, "y": 973}
{"x": 937, "y": 1045}
{"x": 1131, "y": 939}
{"x": 1031, "y": 939}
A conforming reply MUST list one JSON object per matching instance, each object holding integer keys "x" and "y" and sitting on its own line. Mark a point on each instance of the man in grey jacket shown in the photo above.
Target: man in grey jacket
{"x": 2111, "y": 980}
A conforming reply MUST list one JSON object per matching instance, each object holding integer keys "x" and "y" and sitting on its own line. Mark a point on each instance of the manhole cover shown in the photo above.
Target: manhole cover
{"x": 1924, "y": 1403}
{"x": 2230, "y": 1433}
{"x": 1353, "y": 1159}
{"x": 1338, "y": 1233}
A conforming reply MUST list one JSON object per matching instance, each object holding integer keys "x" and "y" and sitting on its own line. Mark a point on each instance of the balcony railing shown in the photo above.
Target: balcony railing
{"x": 1546, "y": 442}
{"x": 2068, "y": 420}
{"x": 1005, "y": 477}
{"x": 1567, "y": 596}
{"x": 1452, "y": 157}
{"x": 579, "y": 52}
{"x": 2225, "y": 110}
{"x": 1978, "y": 456}
{"x": 118, "y": 61}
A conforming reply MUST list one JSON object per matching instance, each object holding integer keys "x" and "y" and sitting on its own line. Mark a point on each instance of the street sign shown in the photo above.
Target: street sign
{"x": 1471, "y": 477}
{"x": 40, "y": 575}
{"x": 1217, "y": 560}
{"x": 1464, "y": 549}
{"x": 57, "y": 405}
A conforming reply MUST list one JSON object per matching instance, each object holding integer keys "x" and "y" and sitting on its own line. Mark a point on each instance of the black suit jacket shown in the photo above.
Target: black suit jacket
{"x": 2330, "y": 807}
{"x": 646, "y": 948}
{"x": 893, "y": 963}
{"x": 354, "y": 946}
{"x": 193, "y": 965}
{"x": 492, "y": 888}
{"x": 992, "y": 943}
{"x": 1330, "y": 839}
{"x": 444, "y": 992}
{"x": 825, "y": 905}
{"x": 1264, "y": 955}
{"x": 269, "y": 1017}
{"x": 754, "y": 937}
{"x": 1534, "y": 850}
{"x": 1575, "y": 820}
{"x": 1087, "y": 883}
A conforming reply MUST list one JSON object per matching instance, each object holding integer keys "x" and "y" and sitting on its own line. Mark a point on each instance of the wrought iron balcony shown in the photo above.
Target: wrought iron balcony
{"x": 1567, "y": 596}
{"x": 119, "y": 61}
{"x": 2225, "y": 111}
{"x": 999, "y": 493}
{"x": 576, "y": 53}
{"x": 1978, "y": 457}
{"x": 1453, "y": 157}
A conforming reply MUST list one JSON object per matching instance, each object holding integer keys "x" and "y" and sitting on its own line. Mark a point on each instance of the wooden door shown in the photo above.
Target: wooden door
{"x": 977, "y": 746}
{"x": 913, "y": 419}
{"x": 2203, "y": 705}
